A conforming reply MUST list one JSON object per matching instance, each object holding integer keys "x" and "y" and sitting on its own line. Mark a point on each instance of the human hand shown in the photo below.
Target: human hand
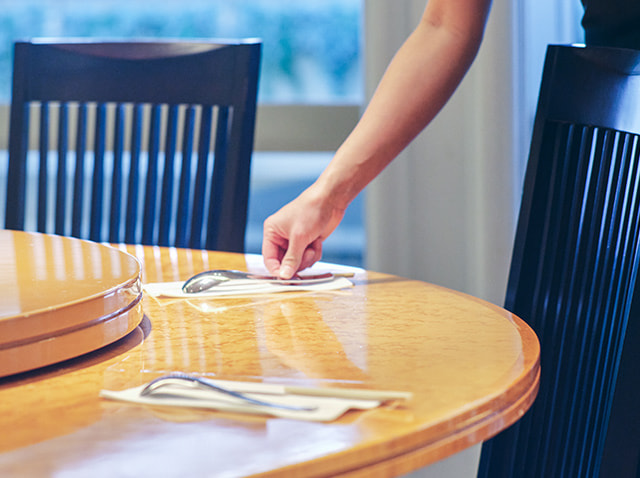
{"x": 293, "y": 236}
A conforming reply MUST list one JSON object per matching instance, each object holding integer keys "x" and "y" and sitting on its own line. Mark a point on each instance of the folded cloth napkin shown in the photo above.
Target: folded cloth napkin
{"x": 242, "y": 287}
{"x": 315, "y": 404}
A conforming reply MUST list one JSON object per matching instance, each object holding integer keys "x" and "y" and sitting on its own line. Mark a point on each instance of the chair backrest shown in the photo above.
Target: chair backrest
{"x": 575, "y": 264}
{"x": 140, "y": 142}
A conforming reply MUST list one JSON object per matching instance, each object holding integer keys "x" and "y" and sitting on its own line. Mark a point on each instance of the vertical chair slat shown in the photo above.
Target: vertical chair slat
{"x": 97, "y": 183}
{"x": 116, "y": 179}
{"x": 77, "y": 202}
{"x": 61, "y": 185}
{"x": 199, "y": 190}
{"x": 213, "y": 229}
{"x": 151, "y": 189}
{"x": 15, "y": 209}
{"x": 167, "y": 196}
{"x": 184, "y": 191}
{"x": 43, "y": 166}
{"x": 131, "y": 220}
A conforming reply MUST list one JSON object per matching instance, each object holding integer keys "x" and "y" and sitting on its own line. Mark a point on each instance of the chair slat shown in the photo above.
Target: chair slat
{"x": 116, "y": 176}
{"x": 97, "y": 182}
{"x": 202, "y": 168}
{"x": 43, "y": 168}
{"x": 61, "y": 184}
{"x": 167, "y": 196}
{"x": 79, "y": 175}
{"x": 151, "y": 189}
{"x": 134, "y": 176}
{"x": 184, "y": 192}
{"x": 219, "y": 178}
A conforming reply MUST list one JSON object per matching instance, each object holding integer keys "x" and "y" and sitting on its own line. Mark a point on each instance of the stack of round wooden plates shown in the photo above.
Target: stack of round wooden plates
{"x": 62, "y": 297}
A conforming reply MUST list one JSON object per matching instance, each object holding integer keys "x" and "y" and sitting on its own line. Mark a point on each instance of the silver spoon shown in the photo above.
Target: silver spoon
{"x": 206, "y": 280}
{"x": 184, "y": 379}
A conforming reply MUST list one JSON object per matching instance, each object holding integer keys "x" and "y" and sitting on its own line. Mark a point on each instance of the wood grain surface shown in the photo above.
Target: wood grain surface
{"x": 473, "y": 369}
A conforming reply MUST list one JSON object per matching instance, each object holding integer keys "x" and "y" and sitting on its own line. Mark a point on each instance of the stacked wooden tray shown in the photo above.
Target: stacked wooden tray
{"x": 62, "y": 297}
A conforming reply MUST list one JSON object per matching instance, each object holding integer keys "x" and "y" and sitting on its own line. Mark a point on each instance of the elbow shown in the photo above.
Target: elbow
{"x": 464, "y": 29}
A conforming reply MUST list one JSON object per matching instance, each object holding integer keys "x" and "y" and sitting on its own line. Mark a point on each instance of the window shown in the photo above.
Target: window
{"x": 310, "y": 85}
{"x": 311, "y": 48}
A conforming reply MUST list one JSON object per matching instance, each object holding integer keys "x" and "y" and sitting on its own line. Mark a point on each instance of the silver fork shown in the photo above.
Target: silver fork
{"x": 203, "y": 383}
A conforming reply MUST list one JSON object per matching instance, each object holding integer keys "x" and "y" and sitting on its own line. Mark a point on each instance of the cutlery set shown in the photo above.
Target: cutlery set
{"x": 284, "y": 401}
{"x": 206, "y": 280}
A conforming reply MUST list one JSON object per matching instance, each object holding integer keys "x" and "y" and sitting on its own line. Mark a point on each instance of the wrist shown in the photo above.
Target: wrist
{"x": 332, "y": 190}
{"x": 343, "y": 179}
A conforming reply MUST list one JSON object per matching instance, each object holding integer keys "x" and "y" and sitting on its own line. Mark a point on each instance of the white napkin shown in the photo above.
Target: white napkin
{"x": 242, "y": 287}
{"x": 325, "y": 408}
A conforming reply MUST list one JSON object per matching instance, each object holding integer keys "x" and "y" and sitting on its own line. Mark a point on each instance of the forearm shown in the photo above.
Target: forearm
{"x": 418, "y": 82}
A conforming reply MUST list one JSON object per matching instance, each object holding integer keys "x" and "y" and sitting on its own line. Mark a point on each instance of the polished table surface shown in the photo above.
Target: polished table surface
{"x": 472, "y": 367}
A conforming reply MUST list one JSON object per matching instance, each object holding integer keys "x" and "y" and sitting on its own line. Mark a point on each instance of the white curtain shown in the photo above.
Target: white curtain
{"x": 445, "y": 210}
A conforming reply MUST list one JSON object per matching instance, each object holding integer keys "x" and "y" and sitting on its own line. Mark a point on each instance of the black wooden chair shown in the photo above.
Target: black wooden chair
{"x": 574, "y": 272}
{"x": 136, "y": 142}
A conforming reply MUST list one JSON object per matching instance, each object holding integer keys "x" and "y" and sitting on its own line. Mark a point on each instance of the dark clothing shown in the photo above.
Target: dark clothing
{"x": 613, "y": 23}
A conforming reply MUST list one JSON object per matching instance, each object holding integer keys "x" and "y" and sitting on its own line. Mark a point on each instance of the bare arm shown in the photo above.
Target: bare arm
{"x": 420, "y": 79}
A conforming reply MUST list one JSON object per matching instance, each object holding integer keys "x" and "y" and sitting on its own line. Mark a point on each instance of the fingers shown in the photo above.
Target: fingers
{"x": 293, "y": 262}
{"x": 311, "y": 255}
{"x": 273, "y": 250}
{"x": 273, "y": 265}
{"x": 292, "y": 259}
{"x": 274, "y": 257}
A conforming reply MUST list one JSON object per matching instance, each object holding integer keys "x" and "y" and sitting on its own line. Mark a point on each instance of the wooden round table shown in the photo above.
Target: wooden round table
{"x": 473, "y": 369}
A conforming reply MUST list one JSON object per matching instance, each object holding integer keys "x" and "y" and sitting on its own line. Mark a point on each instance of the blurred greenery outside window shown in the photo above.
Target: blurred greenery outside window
{"x": 311, "y": 56}
{"x": 311, "y": 48}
